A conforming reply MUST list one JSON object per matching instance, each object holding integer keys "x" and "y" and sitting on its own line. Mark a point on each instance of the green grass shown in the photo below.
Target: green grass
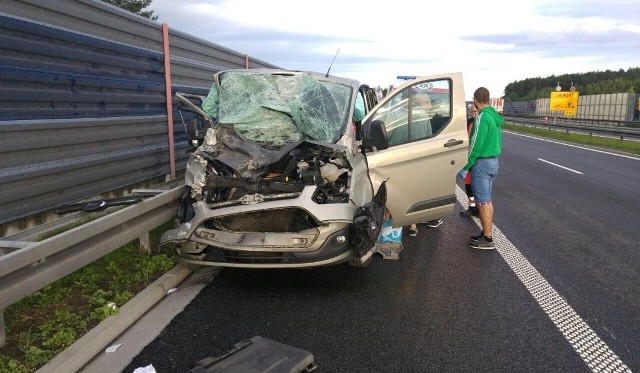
{"x": 596, "y": 141}
{"x": 42, "y": 325}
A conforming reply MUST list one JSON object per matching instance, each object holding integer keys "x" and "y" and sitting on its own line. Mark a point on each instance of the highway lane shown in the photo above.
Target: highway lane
{"x": 443, "y": 306}
{"x": 581, "y": 229}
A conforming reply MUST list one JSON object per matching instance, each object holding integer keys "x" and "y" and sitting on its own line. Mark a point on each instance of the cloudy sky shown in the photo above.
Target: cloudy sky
{"x": 492, "y": 44}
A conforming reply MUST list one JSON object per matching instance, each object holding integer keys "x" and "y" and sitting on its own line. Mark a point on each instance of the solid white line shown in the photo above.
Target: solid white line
{"x": 593, "y": 351}
{"x": 557, "y": 165}
{"x": 575, "y": 146}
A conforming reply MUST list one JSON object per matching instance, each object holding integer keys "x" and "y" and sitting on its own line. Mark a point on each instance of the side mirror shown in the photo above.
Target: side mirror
{"x": 195, "y": 130}
{"x": 195, "y": 125}
{"x": 375, "y": 135}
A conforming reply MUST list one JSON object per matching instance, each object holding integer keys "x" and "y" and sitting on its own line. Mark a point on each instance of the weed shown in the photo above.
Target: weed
{"x": 36, "y": 356}
{"x": 42, "y": 325}
{"x": 122, "y": 297}
{"x": 10, "y": 365}
{"x": 99, "y": 297}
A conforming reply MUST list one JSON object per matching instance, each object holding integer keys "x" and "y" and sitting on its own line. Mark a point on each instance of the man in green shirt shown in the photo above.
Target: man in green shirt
{"x": 485, "y": 146}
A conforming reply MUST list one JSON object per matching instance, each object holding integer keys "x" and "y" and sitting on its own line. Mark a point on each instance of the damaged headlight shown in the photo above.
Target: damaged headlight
{"x": 336, "y": 192}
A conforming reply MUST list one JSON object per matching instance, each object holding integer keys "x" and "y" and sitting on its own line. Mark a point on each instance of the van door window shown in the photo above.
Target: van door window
{"x": 416, "y": 112}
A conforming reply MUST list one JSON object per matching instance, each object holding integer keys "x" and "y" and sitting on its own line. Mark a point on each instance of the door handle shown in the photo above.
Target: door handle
{"x": 452, "y": 142}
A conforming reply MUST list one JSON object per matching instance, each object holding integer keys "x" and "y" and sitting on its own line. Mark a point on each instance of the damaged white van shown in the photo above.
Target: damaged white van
{"x": 282, "y": 177}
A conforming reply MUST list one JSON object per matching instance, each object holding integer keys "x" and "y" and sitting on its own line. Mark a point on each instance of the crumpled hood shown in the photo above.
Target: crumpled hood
{"x": 243, "y": 158}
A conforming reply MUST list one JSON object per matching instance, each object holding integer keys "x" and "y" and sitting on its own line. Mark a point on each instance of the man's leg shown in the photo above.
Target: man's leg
{"x": 483, "y": 173}
{"x": 485, "y": 211}
{"x": 413, "y": 230}
{"x": 472, "y": 209}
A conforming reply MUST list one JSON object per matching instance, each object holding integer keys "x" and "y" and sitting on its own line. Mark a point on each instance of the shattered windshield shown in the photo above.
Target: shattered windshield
{"x": 277, "y": 109}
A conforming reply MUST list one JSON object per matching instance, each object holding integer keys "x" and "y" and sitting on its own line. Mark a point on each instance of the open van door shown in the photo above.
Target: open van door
{"x": 426, "y": 146}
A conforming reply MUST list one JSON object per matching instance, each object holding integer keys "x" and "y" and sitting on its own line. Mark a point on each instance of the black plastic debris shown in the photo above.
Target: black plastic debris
{"x": 97, "y": 204}
{"x": 101, "y": 204}
{"x": 258, "y": 355}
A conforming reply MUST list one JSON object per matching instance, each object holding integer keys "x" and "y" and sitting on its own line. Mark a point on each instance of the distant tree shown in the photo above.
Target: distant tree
{"x": 590, "y": 83}
{"x": 135, "y": 6}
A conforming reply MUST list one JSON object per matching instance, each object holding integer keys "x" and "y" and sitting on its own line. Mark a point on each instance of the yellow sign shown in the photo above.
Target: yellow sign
{"x": 564, "y": 101}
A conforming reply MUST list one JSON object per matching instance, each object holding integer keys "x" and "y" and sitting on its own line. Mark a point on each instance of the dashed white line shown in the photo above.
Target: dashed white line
{"x": 593, "y": 351}
{"x": 563, "y": 167}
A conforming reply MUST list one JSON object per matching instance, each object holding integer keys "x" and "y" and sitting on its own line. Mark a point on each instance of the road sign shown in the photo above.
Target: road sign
{"x": 564, "y": 101}
{"x": 498, "y": 104}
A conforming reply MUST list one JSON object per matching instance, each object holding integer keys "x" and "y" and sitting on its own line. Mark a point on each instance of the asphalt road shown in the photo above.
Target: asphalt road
{"x": 559, "y": 295}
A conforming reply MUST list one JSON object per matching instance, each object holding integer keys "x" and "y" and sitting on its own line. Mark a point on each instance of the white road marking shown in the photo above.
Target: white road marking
{"x": 563, "y": 167}
{"x": 593, "y": 351}
{"x": 575, "y": 146}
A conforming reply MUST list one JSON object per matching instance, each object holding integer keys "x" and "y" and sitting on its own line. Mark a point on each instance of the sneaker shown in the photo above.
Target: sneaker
{"x": 434, "y": 223}
{"x": 476, "y": 238}
{"x": 468, "y": 213}
{"x": 482, "y": 243}
{"x": 413, "y": 232}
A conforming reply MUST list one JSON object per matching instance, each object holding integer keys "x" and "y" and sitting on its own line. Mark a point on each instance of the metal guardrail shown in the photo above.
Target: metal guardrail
{"x": 38, "y": 264}
{"x": 584, "y": 121}
{"x": 621, "y": 132}
{"x": 604, "y": 122}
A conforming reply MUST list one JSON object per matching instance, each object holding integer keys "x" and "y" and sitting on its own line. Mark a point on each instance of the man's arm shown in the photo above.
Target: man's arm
{"x": 476, "y": 142}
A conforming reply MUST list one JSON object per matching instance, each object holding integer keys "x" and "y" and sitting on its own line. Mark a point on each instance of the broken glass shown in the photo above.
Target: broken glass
{"x": 277, "y": 109}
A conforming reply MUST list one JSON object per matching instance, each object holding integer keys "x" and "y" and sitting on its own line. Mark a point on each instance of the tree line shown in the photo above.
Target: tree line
{"x": 590, "y": 83}
{"x": 135, "y": 6}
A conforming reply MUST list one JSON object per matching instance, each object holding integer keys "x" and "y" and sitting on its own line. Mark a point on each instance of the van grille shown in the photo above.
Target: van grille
{"x": 218, "y": 255}
{"x": 276, "y": 220}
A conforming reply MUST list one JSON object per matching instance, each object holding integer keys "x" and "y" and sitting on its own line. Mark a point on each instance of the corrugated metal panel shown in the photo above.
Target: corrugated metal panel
{"x": 48, "y": 163}
{"x": 54, "y": 140}
{"x": 82, "y": 105}
{"x": 633, "y": 109}
{"x": 47, "y": 185}
{"x": 90, "y": 17}
{"x": 517, "y": 108}
{"x": 53, "y": 73}
{"x": 195, "y": 60}
{"x": 96, "y": 116}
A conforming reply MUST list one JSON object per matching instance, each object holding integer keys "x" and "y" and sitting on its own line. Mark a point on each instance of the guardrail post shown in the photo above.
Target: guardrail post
{"x": 3, "y": 335}
{"x": 145, "y": 243}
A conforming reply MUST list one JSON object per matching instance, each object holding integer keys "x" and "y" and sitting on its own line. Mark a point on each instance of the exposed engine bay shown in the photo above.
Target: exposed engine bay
{"x": 305, "y": 164}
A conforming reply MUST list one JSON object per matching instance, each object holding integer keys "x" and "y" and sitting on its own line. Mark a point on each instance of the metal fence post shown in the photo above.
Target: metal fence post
{"x": 3, "y": 334}
{"x": 145, "y": 243}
